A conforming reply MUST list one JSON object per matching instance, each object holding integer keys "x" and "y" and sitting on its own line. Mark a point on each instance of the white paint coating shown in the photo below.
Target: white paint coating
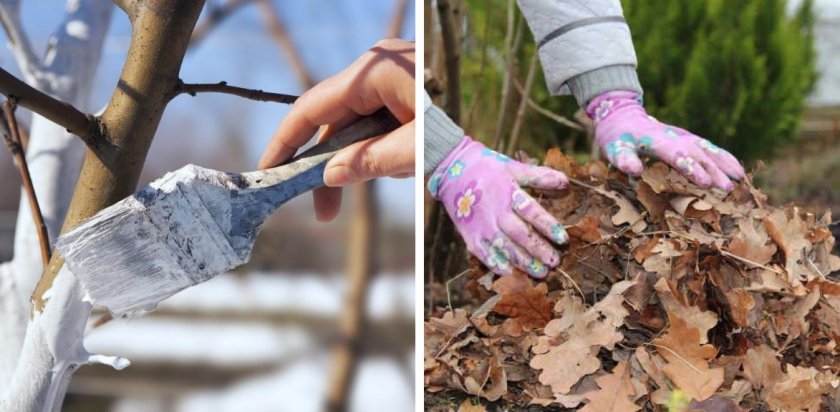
{"x": 37, "y": 359}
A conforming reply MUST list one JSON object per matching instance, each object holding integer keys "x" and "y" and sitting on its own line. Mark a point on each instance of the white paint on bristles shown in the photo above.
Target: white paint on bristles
{"x": 178, "y": 231}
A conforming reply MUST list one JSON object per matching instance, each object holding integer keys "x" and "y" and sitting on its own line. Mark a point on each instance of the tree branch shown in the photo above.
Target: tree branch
{"x": 452, "y": 53}
{"x": 215, "y": 16}
{"x": 222, "y": 87}
{"x": 280, "y": 35}
{"x": 62, "y": 113}
{"x": 20, "y": 44}
{"x": 12, "y": 138}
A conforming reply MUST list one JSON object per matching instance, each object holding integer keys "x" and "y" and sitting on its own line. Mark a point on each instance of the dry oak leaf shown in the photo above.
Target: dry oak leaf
{"x": 522, "y": 300}
{"x": 687, "y": 360}
{"x": 790, "y": 234}
{"x": 801, "y": 389}
{"x": 564, "y": 364}
{"x": 752, "y": 244}
{"x": 702, "y": 320}
{"x": 615, "y": 393}
{"x": 761, "y": 367}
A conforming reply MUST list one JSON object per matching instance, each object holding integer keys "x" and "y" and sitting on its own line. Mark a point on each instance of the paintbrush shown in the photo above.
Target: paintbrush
{"x": 192, "y": 224}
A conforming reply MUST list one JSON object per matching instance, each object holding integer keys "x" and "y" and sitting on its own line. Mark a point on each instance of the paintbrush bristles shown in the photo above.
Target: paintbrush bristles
{"x": 153, "y": 244}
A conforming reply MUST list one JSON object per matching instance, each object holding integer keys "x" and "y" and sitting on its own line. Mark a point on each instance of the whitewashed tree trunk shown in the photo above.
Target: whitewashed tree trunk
{"x": 35, "y": 359}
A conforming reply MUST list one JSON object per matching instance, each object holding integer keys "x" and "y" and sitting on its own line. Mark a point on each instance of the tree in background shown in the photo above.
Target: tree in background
{"x": 734, "y": 72}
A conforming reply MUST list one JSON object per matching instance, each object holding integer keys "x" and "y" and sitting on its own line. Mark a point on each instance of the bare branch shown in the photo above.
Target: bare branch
{"x": 395, "y": 27}
{"x": 523, "y": 105}
{"x": 12, "y": 138}
{"x": 280, "y": 35}
{"x": 452, "y": 54}
{"x": 547, "y": 113}
{"x": 361, "y": 258}
{"x": 64, "y": 114}
{"x": 21, "y": 47}
{"x": 222, "y": 87}
{"x": 215, "y": 16}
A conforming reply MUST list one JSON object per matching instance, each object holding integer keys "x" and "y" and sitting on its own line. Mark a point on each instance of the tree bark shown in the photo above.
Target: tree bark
{"x": 52, "y": 348}
{"x": 54, "y": 157}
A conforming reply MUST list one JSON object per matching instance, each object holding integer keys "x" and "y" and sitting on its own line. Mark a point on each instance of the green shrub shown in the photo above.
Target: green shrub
{"x": 736, "y": 72}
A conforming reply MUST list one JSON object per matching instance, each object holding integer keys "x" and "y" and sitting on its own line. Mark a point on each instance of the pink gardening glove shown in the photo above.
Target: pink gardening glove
{"x": 501, "y": 224}
{"x": 624, "y": 131}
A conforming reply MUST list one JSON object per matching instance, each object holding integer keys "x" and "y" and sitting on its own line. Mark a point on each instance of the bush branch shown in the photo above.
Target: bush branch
{"x": 222, "y": 87}
{"x": 62, "y": 113}
{"x": 11, "y": 136}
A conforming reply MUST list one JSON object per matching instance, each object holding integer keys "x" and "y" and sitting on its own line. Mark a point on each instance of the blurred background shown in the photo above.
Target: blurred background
{"x": 264, "y": 337}
{"x": 758, "y": 77}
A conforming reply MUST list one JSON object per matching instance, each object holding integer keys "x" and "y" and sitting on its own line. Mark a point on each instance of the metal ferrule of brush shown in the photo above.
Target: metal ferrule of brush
{"x": 192, "y": 224}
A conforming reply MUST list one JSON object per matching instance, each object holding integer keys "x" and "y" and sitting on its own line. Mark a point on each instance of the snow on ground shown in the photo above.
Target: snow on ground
{"x": 381, "y": 386}
{"x": 321, "y": 295}
{"x": 213, "y": 342}
{"x": 299, "y": 383}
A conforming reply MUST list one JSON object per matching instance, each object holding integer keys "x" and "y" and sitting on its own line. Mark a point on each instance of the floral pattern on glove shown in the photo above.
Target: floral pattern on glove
{"x": 501, "y": 223}
{"x": 624, "y": 131}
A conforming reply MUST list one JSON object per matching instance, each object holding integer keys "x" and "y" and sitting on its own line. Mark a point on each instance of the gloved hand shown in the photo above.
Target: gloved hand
{"x": 501, "y": 224}
{"x": 624, "y": 130}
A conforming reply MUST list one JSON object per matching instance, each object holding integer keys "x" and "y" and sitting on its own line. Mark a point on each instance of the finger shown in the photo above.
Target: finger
{"x": 388, "y": 155}
{"x": 538, "y": 177}
{"x": 719, "y": 179}
{"x": 691, "y": 169}
{"x": 526, "y": 237}
{"x": 727, "y": 163}
{"x": 529, "y": 210}
{"x": 629, "y": 162}
{"x": 527, "y": 263}
{"x": 383, "y": 76}
{"x": 724, "y": 160}
{"x": 327, "y": 202}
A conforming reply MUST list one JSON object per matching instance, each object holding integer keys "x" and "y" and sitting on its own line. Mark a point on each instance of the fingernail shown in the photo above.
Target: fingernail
{"x": 339, "y": 176}
{"x": 537, "y": 269}
{"x": 559, "y": 234}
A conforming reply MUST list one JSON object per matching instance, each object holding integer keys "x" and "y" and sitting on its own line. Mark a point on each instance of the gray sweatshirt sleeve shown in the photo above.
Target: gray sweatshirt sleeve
{"x": 440, "y": 135}
{"x": 584, "y": 46}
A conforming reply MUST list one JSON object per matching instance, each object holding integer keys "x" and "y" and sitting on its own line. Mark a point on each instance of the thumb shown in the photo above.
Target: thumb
{"x": 388, "y": 155}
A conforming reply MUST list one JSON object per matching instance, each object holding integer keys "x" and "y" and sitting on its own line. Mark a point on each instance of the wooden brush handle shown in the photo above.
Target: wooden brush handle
{"x": 305, "y": 171}
{"x": 376, "y": 124}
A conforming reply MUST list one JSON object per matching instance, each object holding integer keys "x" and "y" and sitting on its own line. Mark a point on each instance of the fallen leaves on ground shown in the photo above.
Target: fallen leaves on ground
{"x": 709, "y": 302}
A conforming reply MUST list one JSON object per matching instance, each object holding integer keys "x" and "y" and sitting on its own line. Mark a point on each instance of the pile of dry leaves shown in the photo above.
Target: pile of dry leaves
{"x": 669, "y": 297}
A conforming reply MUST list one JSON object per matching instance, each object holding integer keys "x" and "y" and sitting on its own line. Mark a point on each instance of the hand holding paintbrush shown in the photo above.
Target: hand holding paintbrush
{"x": 196, "y": 223}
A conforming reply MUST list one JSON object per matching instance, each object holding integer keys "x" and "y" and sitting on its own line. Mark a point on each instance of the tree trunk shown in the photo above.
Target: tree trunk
{"x": 52, "y": 347}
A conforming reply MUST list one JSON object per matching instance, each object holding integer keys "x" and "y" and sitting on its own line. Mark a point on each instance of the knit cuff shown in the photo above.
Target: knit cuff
{"x": 440, "y": 136}
{"x": 589, "y": 85}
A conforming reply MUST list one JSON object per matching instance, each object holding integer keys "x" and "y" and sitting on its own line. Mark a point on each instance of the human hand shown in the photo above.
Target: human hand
{"x": 382, "y": 77}
{"x": 624, "y": 130}
{"x": 501, "y": 224}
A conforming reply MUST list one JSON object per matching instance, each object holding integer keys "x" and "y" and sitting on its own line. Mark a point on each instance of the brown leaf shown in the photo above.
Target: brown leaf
{"x": 615, "y": 393}
{"x": 564, "y": 364}
{"x": 801, "y": 389}
{"x": 522, "y": 300}
{"x": 687, "y": 360}
{"x": 752, "y": 244}
{"x": 789, "y": 231}
{"x": 468, "y": 406}
{"x": 761, "y": 367}
{"x": 699, "y": 319}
